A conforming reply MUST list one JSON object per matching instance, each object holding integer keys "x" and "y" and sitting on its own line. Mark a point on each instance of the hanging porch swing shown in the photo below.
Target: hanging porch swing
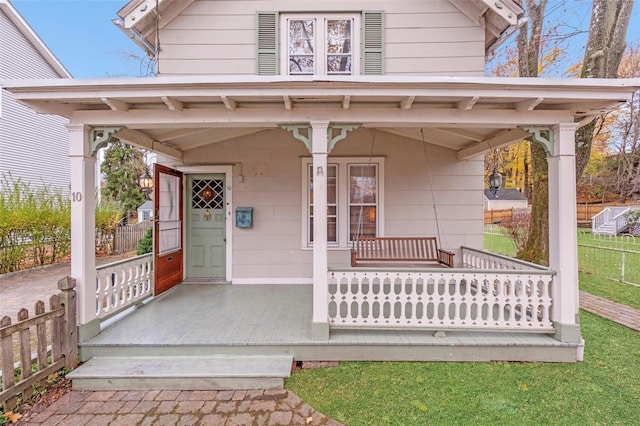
{"x": 399, "y": 251}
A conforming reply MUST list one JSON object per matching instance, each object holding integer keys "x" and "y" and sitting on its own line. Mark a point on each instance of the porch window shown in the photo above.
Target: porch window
{"x": 363, "y": 190}
{"x": 354, "y": 200}
{"x": 319, "y": 45}
{"x": 332, "y": 204}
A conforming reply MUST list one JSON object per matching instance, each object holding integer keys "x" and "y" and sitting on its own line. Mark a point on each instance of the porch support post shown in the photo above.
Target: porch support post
{"x": 563, "y": 245}
{"x": 319, "y": 150}
{"x": 83, "y": 252}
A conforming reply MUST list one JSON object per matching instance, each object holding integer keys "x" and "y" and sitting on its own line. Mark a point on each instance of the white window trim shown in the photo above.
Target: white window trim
{"x": 320, "y": 44}
{"x": 343, "y": 199}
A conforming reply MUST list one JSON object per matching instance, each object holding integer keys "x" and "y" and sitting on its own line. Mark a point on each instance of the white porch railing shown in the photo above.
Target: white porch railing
{"x": 498, "y": 298}
{"x": 122, "y": 284}
{"x": 480, "y": 259}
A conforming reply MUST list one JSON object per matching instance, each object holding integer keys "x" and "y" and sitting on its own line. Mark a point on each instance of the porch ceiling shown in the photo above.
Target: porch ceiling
{"x": 469, "y": 115}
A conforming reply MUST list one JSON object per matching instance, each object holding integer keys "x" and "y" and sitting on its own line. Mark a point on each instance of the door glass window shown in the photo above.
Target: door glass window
{"x": 207, "y": 194}
{"x": 170, "y": 225}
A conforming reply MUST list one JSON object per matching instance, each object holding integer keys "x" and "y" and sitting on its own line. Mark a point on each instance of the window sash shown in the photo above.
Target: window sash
{"x": 332, "y": 204}
{"x": 363, "y": 200}
{"x": 320, "y": 44}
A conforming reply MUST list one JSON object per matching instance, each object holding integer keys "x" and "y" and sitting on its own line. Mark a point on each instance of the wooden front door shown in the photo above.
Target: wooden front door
{"x": 168, "y": 260}
{"x": 206, "y": 226}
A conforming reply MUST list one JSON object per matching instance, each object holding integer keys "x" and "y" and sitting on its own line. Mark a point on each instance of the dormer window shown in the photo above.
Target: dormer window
{"x": 320, "y": 44}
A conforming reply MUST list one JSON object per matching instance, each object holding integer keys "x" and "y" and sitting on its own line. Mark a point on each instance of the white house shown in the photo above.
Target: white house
{"x": 505, "y": 198}
{"x": 33, "y": 147}
{"x": 287, "y": 131}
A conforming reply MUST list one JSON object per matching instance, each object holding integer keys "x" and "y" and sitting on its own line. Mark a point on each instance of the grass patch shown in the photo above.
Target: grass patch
{"x": 613, "y": 290}
{"x": 500, "y": 244}
{"x": 604, "y": 389}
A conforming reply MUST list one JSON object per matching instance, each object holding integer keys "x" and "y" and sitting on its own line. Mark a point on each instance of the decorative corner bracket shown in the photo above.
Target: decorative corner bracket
{"x": 295, "y": 131}
{"x": 101, "y": 136}
{"x": 542, "y": 135}
{"x": 343, "y": 128}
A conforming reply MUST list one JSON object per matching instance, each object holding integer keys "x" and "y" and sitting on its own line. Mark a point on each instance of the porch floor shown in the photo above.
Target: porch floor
{"x": 213, "y": 319}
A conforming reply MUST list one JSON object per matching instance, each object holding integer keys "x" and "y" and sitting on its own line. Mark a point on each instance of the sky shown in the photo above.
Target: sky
{"x": 81, "y": 35}
{"x": 83, "y": 38}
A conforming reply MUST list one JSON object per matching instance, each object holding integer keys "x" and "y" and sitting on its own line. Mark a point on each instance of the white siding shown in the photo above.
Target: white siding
{"x": 422, "y": 37}
{"x": 271, "y": 165}
{"x": 33, "y": 147}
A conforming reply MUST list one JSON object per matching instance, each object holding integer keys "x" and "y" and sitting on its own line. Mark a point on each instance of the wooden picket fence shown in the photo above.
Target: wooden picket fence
{"x": 53, "y": 354}
{"x": 585, "y": 212}
{"x": 126, "y": 237}
{"x": 497, "y": 216}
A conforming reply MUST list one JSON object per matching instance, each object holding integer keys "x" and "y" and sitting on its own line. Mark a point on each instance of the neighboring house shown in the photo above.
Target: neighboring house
{"x": 32, "y": 146}
{"x": 504, "y": 199}
{"x": 286, "y": 131}
{"x": 145, "y": 211}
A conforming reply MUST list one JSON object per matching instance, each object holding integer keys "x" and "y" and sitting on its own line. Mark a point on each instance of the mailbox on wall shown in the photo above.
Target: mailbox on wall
{"x": 244, "y": 217}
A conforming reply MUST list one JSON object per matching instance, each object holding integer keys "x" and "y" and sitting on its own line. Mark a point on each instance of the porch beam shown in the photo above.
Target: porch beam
{"x": 83, "y": 253}
{"x": 418, "y": 136}
{"x": 139, "y": 139}
{"x": 263, "y": 117}
{"x": 174, "y": 134}
{"x": 460, "y": 132}
{"x": 563, "y": 245}
{"x": 498, "y": 140}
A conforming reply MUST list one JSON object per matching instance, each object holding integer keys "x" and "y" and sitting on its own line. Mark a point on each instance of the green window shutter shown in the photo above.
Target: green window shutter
{"x": 267, "y": 43}
{"x": 373, "y": 42}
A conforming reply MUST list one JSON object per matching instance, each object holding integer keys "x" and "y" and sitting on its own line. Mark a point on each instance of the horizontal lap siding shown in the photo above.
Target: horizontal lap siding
{"x": 33, "y": 147}
{"x": 271, "y": 166}
{"x": 422, "y": 37}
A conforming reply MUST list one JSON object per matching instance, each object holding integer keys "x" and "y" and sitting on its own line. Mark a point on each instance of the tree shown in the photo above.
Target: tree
{"x": 605, "y": 46}
{"x": 625, "y": 133}
{"x": 122, "y": 167}
{"x": 536, "y": 248}
{"x": 602, "y": 57}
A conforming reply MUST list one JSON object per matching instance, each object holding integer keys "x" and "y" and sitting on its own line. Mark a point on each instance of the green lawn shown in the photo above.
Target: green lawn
{"x": 600, "y": 270}
{"x": 604, "y": 389}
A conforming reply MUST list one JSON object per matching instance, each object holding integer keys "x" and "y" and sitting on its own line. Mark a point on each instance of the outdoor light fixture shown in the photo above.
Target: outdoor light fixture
{"x": 146, "y": 181}
{"x": 495, "y": 182}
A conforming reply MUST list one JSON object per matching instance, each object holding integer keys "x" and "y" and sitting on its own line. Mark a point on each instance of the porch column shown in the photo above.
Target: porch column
{"x": 563, "y": 243}
{"x": 83, "y": 252}
{"x": 319, "y": 150}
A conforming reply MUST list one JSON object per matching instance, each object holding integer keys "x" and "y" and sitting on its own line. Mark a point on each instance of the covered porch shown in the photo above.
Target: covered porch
{"x": 485, "y": 308}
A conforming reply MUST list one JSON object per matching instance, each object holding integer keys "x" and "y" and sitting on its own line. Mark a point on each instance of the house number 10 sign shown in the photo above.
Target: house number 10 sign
{"x": 76, "y": 197}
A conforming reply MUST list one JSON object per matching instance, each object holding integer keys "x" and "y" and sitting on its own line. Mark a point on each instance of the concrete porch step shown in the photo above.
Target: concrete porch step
{"x": 218, "y": 372}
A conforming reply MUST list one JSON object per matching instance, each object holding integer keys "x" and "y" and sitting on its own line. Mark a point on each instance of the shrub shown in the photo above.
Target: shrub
{"x": 145, "y": 244}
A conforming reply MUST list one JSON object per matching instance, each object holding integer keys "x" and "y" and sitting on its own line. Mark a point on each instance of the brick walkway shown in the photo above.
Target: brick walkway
{"x": 228, "y": 408}
{"x": 616, "y": 312}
